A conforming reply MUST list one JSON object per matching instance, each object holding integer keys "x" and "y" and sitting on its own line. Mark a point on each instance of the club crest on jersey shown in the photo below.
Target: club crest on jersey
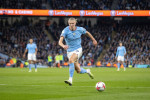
{"x": 74, "y": 33}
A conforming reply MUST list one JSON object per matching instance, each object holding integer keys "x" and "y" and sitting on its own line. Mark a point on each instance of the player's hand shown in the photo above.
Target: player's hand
{"x": 65, "y": 47}
{"x": 23, "y": 55}
{"x": 95, "y": 43}
{"x": 116, "y": 58}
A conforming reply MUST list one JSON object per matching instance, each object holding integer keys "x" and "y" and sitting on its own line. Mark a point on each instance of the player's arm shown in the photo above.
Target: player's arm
{"x": 36, "y": 51}
{"x": 125, "y": 51}
{"x": 61, "y": 43}
{"x": 117, "y": 53}
{"x": 92, "y": 38}
{"x": 25, "y": 53}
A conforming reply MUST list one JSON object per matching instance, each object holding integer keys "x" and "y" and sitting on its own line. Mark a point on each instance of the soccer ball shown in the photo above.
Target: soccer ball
{"x": 100, "y": 86}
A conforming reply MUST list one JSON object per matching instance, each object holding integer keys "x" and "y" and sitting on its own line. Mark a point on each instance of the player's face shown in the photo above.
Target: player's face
{"x": 120, "y": 44}
{"x": 72, "y": 24}
{"x": 31, "y": 41}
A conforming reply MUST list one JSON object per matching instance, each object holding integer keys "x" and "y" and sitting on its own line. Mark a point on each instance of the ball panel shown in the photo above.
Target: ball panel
{"x": 100, "y": 86}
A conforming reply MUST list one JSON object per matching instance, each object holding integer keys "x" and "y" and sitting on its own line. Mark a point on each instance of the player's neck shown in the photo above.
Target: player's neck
{"x": 73, "y": 29}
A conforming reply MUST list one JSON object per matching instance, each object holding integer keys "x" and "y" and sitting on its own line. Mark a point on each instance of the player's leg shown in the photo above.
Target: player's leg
{"x": 30, "y": 61}
{"x": 82, "y": 70}
{"x": 72, "y": 59}
{"x": 77, "y": 66}
{"x": 30, "y": 65}
{"x": 35, "y": 63}
{"x": 119, "y": 62}
{"x": 118, "y": 65}
{"x": 122, "y": 62}
{"x": 78, "y": 69}
{"x": 124, "y": 65}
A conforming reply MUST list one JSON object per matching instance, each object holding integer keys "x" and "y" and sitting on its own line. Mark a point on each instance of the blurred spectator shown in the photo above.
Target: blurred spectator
{"x": 2, "y": 62}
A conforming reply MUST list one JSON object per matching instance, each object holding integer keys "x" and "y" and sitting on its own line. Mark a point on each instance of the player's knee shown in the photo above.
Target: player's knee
{"x": 78, "y": 71}
{"x": 71, "y": 61}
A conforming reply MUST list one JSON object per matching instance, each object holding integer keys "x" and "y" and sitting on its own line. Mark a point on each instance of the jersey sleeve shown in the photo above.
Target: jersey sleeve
{"x": 63, "y": 33}
{"x": 35, "y": 46}
{"x": 83, "y": 30}
{"x": 27, "y": 46}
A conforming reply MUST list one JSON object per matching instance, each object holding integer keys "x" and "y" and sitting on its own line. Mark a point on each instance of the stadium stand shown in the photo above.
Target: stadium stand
{"x": 77, "y": 4}
{"x": 15, "y": 37}
{"x": 135, "y": 38}
{"x": 81, "y": 5}
{"x": 23, "y": 4}
{"x": 133, "y": 5}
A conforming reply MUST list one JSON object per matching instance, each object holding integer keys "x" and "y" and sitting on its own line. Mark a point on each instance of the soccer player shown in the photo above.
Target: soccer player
{"x": 121, "y": 52}
{"x": 31, "y": 48}
{"x": 72, "y": 35}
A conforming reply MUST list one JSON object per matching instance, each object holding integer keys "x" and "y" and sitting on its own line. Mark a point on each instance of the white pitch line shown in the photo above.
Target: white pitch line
{"x": 71, "y": 86}
{"x": 111, "y": 87}
{"x": 129, "y": 87}
{"x": 2, "y": 84}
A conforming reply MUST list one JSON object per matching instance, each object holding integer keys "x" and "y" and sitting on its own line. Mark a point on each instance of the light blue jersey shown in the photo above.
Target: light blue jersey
{"x": 31, "y": 47}
{"x": 121, "y": 51}
{"x": 73, "y": 38}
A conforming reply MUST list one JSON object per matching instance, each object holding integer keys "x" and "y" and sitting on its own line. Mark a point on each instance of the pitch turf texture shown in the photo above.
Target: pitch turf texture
{"x": 48, "y": 84}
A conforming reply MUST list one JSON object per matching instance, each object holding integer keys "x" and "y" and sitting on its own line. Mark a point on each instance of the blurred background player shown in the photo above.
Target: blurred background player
{"x": 50, "y": 60}
{"x": 72, "y": 35}
{"x": 121, "y": 52}
{"x": 31, "y": 48}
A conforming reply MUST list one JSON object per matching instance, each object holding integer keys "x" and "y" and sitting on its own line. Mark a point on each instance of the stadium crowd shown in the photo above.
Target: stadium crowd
{"x": 15, "y": 37}
{"x": 81, "y": 4}
{"x": 136, "y": 39}
{"x": 23, "y": 4}
{"x": 133, "y": 5}
{"x": 76, "y": 4}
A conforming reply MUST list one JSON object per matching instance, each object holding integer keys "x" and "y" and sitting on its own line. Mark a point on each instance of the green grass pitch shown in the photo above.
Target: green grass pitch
{"x": 48, "y": 84}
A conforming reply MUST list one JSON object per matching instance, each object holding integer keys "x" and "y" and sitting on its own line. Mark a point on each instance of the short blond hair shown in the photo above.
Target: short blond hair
{"x": 72, "y": 18}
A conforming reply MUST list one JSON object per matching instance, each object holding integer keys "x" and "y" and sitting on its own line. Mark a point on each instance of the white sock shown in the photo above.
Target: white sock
{"x": 70, "y": 79}
{"x": 88, "y": 71}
